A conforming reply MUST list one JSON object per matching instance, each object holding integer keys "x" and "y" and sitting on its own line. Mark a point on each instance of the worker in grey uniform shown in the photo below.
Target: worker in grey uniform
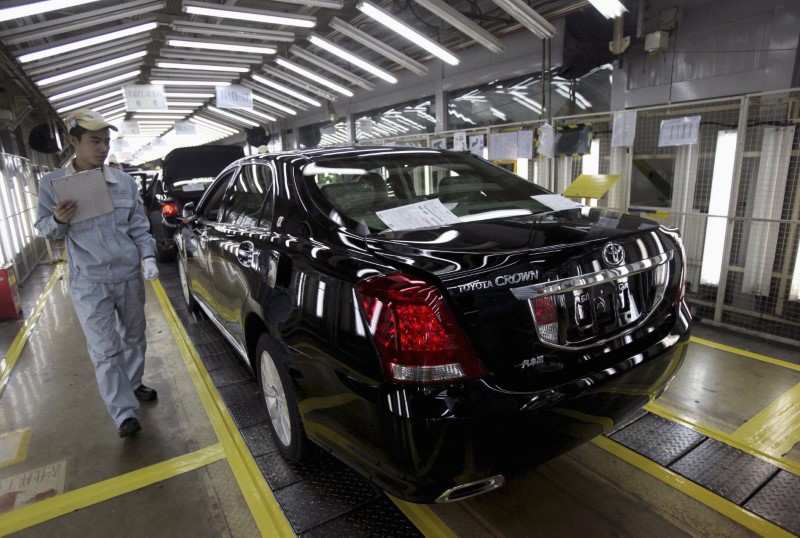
{"x": 107, "y": 256}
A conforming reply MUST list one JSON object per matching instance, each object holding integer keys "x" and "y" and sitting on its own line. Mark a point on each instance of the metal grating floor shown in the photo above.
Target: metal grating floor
{"x": 321, "y": 498}
{"x": 749, "y": 482}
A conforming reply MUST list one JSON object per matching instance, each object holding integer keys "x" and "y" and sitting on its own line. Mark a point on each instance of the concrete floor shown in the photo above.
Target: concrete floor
{"x": 178, "y": 476}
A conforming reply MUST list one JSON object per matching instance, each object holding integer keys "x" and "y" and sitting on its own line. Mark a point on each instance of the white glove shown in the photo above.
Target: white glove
{"x": 150, "y": 268}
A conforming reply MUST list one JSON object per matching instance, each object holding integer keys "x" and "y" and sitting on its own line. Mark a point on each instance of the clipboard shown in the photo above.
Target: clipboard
{"x": 88, "y": 190}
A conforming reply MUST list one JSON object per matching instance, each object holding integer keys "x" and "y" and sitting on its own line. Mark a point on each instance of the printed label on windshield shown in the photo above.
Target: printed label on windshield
{"x": 427, "y": 214}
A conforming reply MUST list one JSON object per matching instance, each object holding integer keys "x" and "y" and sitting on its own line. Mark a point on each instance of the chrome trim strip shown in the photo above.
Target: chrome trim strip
{"x": 590, "y": 279}
{"x": 231, "y": 340}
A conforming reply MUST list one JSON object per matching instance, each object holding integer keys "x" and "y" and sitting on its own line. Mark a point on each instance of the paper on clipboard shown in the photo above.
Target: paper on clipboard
{"x": 88, "y": 190}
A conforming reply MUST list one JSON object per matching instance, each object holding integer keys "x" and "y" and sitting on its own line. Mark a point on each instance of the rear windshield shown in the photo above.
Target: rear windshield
{"x": 383, "y": 191}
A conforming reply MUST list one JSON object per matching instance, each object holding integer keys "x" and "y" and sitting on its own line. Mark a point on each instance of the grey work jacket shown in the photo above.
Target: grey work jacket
{"x": 108, "y": 248}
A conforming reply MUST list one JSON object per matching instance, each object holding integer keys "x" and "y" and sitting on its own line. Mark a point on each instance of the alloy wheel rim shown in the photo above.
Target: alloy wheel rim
{"x": 275, "y": 399}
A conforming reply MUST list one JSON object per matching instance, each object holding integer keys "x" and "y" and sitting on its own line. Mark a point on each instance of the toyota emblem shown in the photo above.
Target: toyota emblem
{"x": 613, "y": 254}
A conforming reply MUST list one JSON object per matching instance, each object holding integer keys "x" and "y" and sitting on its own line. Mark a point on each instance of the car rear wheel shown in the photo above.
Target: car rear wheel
{"x": 279, "y": 397}
{"x": 188, "y": 298}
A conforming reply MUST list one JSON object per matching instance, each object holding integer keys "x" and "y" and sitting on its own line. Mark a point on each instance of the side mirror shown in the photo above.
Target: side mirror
{"x": 187, "y": 213}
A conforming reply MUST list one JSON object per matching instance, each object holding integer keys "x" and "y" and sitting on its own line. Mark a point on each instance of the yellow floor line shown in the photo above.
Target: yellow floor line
{"x": 722, "y": 437}
{"x": 424, "y": 518}
{"x": 776, "y": 428}
{"x": 51, "y": 508}
{"x": 749, "y": 354}
{"x": 10, "y": 360}
{"x": 266, "y": 511}
{"x": 725, "y": 507}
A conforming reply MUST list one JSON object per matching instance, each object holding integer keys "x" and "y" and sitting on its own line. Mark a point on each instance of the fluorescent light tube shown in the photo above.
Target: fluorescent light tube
{"x": 162, "y": 111}
{"x": 378, "y": 46}
{"x": 213, "y": 124}
{"x": 331, "y": 67}
{"x": 232, "y": 116}
{"x": 286, "y": 90}
{"x": 526, "y": 16}
{"x": 100, "y": 84}
{"x": 352, "y": 58}
{"x": 157, "y": 117}
{"x": 203, "y": 67}
{"x": 406, "y": 31}
{"x": 316, "y": 78}
{"x": 226, "y": 46}
{"x": 87, "y": 102}
{"x": 610, "y": 9}
{"x": 90, "y": 69}
{"x": 274, "y": 104}
{"x": 109, "y": 105}
{"x": 462, "y": 23}
{"x": 178, "y": 82}
{"x": 251, "y": 15}
{"x": 83, "y": 43}
{"x": 231, "y": 31}
{"x": 259, "y": 114}
{"x": 37, "y": 8}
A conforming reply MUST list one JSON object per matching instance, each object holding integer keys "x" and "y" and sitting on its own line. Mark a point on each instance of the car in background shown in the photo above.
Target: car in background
{"x": 433, "y": 320}
{"x": 185, "y": 175}
{"x": 144, "y": 178}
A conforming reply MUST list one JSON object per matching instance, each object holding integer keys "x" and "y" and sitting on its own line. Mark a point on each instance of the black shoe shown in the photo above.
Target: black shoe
{"x": 145, "y": 394}
{"x": 129, "y": 426}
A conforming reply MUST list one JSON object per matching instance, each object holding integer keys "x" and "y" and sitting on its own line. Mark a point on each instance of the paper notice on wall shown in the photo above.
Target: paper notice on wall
{"x": 502, "y": 146}
{"x": 525, "y": 145}
{"x": 439, "y": 143}
{"x": 476, "y": 145}
{"x": 185, "y": 128}
{"x": 679, "y": 131}
{"x": 427, "y": 214}
{"x": 460, "y": 141}
{"x": 547, "y": 141}
{"x": 624, "y": 130}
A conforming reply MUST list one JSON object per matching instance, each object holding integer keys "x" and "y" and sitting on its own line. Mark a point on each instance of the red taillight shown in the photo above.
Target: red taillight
{"x": 170, "y": 209}
{"x": 545, "y": 313}
{"x": 417, "y": 337}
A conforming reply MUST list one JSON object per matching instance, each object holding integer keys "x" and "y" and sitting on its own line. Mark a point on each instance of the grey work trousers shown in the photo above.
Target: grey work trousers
{"x": 113, "y": 321}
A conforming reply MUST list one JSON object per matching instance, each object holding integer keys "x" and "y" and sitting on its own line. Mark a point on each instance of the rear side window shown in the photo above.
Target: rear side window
{"x": 246, "y": 196}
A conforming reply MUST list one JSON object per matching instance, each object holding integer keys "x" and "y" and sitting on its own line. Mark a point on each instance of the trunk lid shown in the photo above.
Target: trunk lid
{"x": 541, "y": 297}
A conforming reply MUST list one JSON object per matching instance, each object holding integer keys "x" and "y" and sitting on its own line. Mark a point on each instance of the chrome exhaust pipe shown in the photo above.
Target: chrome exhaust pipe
{"x": 465, "y": 491}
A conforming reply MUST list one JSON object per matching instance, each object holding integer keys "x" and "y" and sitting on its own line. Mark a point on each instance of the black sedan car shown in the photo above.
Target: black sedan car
{"x": 186, "y": 174}
{"x": 433, "y": 320}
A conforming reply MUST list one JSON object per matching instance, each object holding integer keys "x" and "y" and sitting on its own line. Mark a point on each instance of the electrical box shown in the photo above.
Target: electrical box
{"x": 10, "y": 306}
{"x": 656, "y": 42}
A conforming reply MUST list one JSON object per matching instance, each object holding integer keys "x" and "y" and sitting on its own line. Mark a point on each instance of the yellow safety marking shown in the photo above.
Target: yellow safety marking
{"x": 45, "y": 510}
{"x": 722, "y": 437}
{"x": 776, "y": 428}
{"x": 326, "y": 402}
{"x": 10, "y": 360}
{"x": 426, "y": 520}
{"x": 18, "y": 441}
{"x": 725, "y": 507}
{"x": 266, "y": 511}
{"x": 749, "y": 354}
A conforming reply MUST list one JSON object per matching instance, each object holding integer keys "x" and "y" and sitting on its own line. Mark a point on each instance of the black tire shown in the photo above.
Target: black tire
{"x": 188, "y": 298}
{"x": 165, "y": 254}
{"x": 278, "y": 392}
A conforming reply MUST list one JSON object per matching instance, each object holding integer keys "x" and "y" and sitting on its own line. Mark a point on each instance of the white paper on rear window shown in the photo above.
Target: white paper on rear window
{"x": 427, "y": 214}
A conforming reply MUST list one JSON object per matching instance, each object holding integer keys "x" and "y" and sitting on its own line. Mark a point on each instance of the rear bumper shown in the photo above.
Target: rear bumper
{"x": 418, "y": 443}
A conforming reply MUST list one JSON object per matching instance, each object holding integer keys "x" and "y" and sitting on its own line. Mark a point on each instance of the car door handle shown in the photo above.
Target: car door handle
{"x": 245, "y": 253}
